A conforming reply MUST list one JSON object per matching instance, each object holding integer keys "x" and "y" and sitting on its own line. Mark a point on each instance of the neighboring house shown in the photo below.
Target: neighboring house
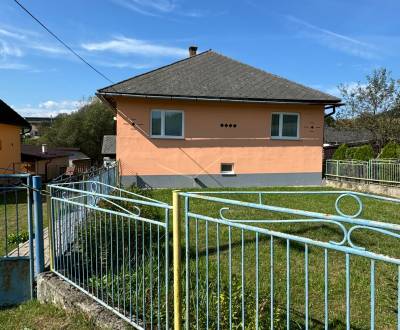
{"x": 37, "y": 123}
{"x": 108, "y": 148}
{"x": 46, "y": 162}
{"x": 77, "y": 159}
{"x": 209, "y": 120}
{"x": 12, "y": 126}
{"x": 335, "y": 136}
{"x": 52, "y": 162}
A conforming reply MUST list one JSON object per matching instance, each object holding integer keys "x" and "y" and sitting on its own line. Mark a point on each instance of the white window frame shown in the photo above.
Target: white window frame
{"x": 162, "y": 135}
{"x": 227, "y": 172}
{"x": 280, "y": 136}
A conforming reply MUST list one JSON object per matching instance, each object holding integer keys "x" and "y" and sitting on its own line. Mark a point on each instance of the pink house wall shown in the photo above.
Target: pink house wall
{"x": 206, "y": 145}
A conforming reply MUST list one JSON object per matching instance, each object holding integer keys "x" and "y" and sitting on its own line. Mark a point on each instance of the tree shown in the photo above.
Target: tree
{"x": 82, "y": 129}
{"x": 374, "y": 106}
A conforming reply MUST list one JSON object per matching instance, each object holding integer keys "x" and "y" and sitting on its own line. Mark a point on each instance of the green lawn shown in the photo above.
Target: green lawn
{"x": 35, "y": 316}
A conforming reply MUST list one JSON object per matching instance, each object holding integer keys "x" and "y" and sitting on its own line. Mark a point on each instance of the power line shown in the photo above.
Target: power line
{"x": 62, "y": 42}
{"x": 80, "y": 58}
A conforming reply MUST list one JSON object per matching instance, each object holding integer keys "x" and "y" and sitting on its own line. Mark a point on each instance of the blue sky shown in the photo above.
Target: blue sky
{"x": 318, "y": 43}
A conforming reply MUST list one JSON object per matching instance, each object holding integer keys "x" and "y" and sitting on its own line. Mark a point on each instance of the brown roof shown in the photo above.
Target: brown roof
{"x": 35, "y": 152}
{"x": 210, "y": 75}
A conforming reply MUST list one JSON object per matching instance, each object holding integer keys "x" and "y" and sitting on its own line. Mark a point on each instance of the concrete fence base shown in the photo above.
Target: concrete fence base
{"x": 52, "y": 289}
{"x": 365, "y": 187}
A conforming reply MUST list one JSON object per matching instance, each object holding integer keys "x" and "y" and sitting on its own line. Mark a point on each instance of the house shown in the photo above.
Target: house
{"x": 37, "y": 123}
{"x": 209, "y": 120}
{"x": 108, "y": 149}
{"x": 46, "y": 162}
{"x": 76, "y": 159}
{"x": 12, "y": 126}
{"x": 335, "y": 136}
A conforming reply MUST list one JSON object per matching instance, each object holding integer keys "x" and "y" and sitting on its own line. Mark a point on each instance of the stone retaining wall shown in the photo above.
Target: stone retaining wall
{"x": 365, "y": 187}
{"x": 54, "y": 290}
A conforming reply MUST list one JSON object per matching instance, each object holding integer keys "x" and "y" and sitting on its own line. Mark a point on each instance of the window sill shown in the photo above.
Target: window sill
{"x": 167, "y": 137}
{"x": 228, "y": 173}
{"x": 285, "y": 138}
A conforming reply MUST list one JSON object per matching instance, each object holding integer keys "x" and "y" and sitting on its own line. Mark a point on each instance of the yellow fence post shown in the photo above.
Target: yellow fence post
{"x": 176, "y": 229}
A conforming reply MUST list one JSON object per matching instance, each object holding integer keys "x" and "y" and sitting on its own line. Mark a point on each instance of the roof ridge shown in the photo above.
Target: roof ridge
{"x": 157, "y": 69}
{"x": 273, "y": 74}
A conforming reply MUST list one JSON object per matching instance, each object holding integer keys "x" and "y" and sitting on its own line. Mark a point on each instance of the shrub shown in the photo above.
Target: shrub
{"x": 390, "y": 150}
{"x": 365, "y": 152}
{"x": 340, "y": 153}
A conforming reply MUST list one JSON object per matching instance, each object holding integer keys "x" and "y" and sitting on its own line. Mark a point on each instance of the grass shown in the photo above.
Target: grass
{"x": 14, "y": 219}
{"x": 33, "y": 315}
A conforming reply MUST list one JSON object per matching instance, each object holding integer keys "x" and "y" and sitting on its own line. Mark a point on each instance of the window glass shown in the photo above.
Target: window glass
{"x": 226, "y": 168}
{"x": 289, "y": 125}
{"x": 275, "y": 125}
{"x": 173, "y": 123}
{"x": 156, "y": 123}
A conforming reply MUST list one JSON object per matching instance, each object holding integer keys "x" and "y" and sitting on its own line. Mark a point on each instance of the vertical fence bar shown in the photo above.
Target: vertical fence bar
{"x": 50, "y": 224}
{"x": 30, "y": 230}
{"x": 257, "y": 288}
{"x": 38, "y": 215}
{"x": 288, "y": 284}
{"x": 306, "y": 285}
{"x": 372, "y": 295}
{"x": 272, "y": 282}
{"x": 326, "y": 287}
{"x": 177, "y": 259}
{"x": 347, "y": 291}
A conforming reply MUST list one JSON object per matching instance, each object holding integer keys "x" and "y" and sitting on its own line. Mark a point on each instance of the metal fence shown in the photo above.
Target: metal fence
{"x": 246, "y": 263}
{"x": 242, "y": 272}
{"x": 112, "y": 244}
{"x": 380, "y": 171}
{"x": 106, "y": 174}
{"x": 16, "y": 228}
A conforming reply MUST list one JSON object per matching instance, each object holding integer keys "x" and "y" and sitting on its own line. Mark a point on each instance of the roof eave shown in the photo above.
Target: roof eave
{"x": 220, "y": 99}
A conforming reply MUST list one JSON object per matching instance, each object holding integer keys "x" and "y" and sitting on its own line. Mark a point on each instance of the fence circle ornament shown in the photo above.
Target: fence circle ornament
{"x": 93, "y": 200}
{"x": 93, "y": 187}
{"x": 358, "y": 200}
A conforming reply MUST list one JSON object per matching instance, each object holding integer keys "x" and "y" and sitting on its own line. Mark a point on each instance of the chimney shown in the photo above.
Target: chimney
{"x": 192, "y": 51}
{"x": 44, "y": 148}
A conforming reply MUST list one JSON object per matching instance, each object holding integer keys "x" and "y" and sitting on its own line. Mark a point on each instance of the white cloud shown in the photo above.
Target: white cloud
{"x": 13, "y": 66}
{"x": 6, "y": 49}
{"x": 50, "y": 108}
{"x": 124, "y": 45}
{"x": 148, "y": 7}
{"x": 157, "y": 7}
{"x": 124, "y": 65}
{"x": 334, "y": 90}
{"x": 337, "y": 41}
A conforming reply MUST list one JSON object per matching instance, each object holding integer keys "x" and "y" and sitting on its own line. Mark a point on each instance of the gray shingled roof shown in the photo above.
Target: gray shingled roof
{"x": 213, "y": 76}
{"x": 346, "y": 135}
{"x": 108, "y": 147}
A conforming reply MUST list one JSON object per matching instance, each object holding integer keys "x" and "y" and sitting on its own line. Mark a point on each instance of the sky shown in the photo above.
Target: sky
{"x": 319, "y": 43}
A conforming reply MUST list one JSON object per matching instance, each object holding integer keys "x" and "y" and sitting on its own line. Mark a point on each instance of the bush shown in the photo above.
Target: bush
{"x": 340, "y": 153}
{"x": 365, "y": 152}
{"x": 390, "y": 150}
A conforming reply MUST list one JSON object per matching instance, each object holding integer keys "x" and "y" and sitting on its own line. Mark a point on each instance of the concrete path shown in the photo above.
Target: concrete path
{"x": 23, "y": 249}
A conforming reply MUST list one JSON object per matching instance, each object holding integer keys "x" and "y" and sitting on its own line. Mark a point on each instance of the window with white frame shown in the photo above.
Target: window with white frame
{"x": 285, "y": 125}
{"x": 166, "y": 124}
{"x": 227, "y": 169}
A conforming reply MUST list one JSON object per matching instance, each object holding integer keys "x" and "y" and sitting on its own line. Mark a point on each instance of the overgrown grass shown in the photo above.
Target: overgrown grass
{"x": 35, "y": 316}
{"x": 204, "y": 251}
